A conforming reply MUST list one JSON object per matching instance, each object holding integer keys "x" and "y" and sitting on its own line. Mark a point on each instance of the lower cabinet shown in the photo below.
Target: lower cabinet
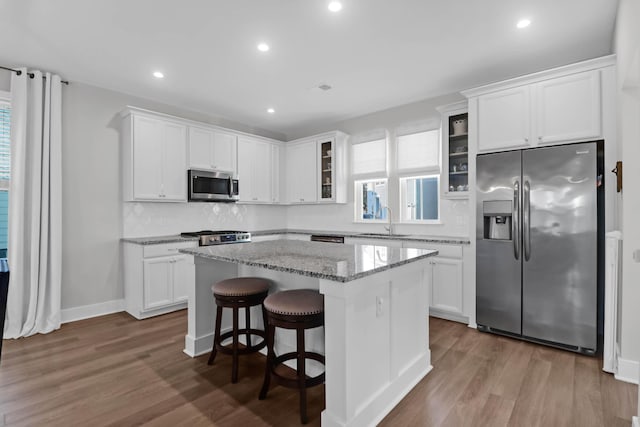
{"x": 164, "y": 281}
{"x": 446, "y": 286}
{"x": 451, "y": 290}
{"x": 156, "y": 278}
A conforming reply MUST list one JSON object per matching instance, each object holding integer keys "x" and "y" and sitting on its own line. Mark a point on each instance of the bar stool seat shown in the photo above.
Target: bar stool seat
{"x": 241, "y": 286}
{"x": 299, "y": 309}
{"x": 237, "y": 293}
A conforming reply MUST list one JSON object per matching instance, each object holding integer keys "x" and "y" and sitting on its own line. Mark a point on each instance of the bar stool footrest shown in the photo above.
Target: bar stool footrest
{"x": 293, "y": 382}
{"x": 226, "y": 349}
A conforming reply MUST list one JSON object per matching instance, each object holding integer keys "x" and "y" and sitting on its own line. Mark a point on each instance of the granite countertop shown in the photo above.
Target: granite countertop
{"x": 331, "y": 261}
{"x": 361, "y": 235}
{"x": 155, "y": 240}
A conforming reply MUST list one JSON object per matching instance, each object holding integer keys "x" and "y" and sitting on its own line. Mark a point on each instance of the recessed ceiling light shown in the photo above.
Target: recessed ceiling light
{"x": 270, "y": 110}
{"x": 523, "y": 23}
{"x": 335, "y": 6}
{"x": 263, "y": 47}
{"x": 158, "y": 75}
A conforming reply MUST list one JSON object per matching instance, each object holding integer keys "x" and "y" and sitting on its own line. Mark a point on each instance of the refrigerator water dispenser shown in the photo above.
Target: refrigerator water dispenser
{"x": 497, "y": 219}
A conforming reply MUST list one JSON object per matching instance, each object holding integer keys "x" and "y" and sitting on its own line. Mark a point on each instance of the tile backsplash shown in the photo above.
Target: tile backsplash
{"x": 156, "y": 219}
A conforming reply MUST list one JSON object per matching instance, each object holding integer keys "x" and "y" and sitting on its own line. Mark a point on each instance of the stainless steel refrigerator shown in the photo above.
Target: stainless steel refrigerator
{"x": 539, "y": 241}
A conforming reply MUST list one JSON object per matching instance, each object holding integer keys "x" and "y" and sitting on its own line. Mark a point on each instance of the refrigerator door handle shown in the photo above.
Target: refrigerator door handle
{"x": 526, "y": 220}
{"x": 515, "y": 224}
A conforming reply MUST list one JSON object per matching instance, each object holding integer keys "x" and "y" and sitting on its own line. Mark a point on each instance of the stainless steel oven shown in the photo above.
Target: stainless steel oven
{"x": 212, "y": 186}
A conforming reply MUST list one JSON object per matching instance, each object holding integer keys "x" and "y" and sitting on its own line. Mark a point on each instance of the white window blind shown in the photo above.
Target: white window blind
{"x": 419, "y": 151}
{"x": 369, "y": 157}
{"x": 5, "y": 152}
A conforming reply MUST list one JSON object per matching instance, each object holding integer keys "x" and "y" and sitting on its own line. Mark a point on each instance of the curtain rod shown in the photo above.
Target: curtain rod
{"x": 19, "y": 72}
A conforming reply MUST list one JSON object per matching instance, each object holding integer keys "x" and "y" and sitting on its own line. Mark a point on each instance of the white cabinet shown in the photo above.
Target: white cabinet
{"x": 257, "y": 170}
{"x": 154, "y": 159}
{"x": 316, "y": 169}
{"x": 504, "y": 119}
{"x": 211, "y": 149}
{"x": 157, "y": 282}
{"x": 446, "y": 285}
{"x": 553, "y": 110}
{"x": 451, "y": 296}
{"x": 302, "y": 172}
{"x": 568, "y": 108}
{"x": 156, "y": 278}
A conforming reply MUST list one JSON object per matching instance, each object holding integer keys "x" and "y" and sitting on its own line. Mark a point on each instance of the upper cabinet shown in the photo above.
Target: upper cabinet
{"x": 455, "y": 150}
{"x": 154, "y": 158}
{"x": 556, "y": 106}
{"x": 212, "y": 150}
{"x": 159, "y": 149}
{"x": 568, "y": 108}
{"x": 504, "y": 119}
{"x": 302, "y": 172}
{"x": 258, "y": 170}
{"x": 316, "y": 169}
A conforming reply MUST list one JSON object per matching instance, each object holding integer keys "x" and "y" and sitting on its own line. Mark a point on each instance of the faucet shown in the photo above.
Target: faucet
{"x": 389, "y": 228}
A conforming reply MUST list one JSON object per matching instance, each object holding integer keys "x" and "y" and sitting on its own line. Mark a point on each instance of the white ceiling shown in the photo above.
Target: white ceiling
{"x": 376, "y": 54}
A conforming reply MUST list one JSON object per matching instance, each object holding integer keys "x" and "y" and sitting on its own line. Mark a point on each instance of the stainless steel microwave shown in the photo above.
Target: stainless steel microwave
{"x": 211, "y": 186}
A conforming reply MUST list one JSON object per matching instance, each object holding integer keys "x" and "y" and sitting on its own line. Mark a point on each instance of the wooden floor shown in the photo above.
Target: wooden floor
{"x": 118, "y": 371}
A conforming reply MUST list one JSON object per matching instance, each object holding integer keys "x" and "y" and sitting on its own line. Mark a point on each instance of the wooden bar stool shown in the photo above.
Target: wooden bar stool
{"x": 237, "y": 293}
{"x": 299, "y": 309}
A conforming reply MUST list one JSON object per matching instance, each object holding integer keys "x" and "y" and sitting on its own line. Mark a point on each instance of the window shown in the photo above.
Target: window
{"x": 369, "y": 158}
{"x": 371, "y": 200}
{"x": 5, "y": 153}
{"x": 419, "y": 151}
{"x": 419, "y": 198}
{"x": 369, "y": 168}
{"x": 5, "y": 171}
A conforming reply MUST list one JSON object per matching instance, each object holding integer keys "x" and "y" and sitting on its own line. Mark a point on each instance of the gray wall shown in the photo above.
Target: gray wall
{"x": 5, "y": 80}
{"x": 92, "y": 197}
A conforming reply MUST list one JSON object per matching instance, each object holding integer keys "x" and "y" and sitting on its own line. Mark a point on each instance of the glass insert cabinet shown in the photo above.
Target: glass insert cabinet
{"x": 455, "y": 150}
{"x": 326, "y": 166}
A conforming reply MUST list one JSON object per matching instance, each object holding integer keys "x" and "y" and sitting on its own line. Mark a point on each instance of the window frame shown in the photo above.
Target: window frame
{"x": 402, "y": 193}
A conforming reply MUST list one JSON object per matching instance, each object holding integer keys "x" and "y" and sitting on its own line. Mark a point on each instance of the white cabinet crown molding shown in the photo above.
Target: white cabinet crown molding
{"x": 129, "y": 109}
{"x": 589, "y": 65}
{"x": 456, "y": 106}
{"x": 328, "y": 134}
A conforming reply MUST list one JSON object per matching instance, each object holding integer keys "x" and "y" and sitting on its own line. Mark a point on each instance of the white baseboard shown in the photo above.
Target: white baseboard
{"x": 628, "y": 370}
{"x": 92, "y": 310}
{"x": 443, "y": 314}
{"x": 635, "y": 422}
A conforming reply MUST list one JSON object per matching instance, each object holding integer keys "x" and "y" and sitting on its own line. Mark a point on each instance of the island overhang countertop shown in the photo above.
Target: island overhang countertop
{"x": 330, "y": 261}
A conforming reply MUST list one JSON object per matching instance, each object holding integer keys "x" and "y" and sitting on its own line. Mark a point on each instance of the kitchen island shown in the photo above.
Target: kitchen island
{"x": 375, "y": 338}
